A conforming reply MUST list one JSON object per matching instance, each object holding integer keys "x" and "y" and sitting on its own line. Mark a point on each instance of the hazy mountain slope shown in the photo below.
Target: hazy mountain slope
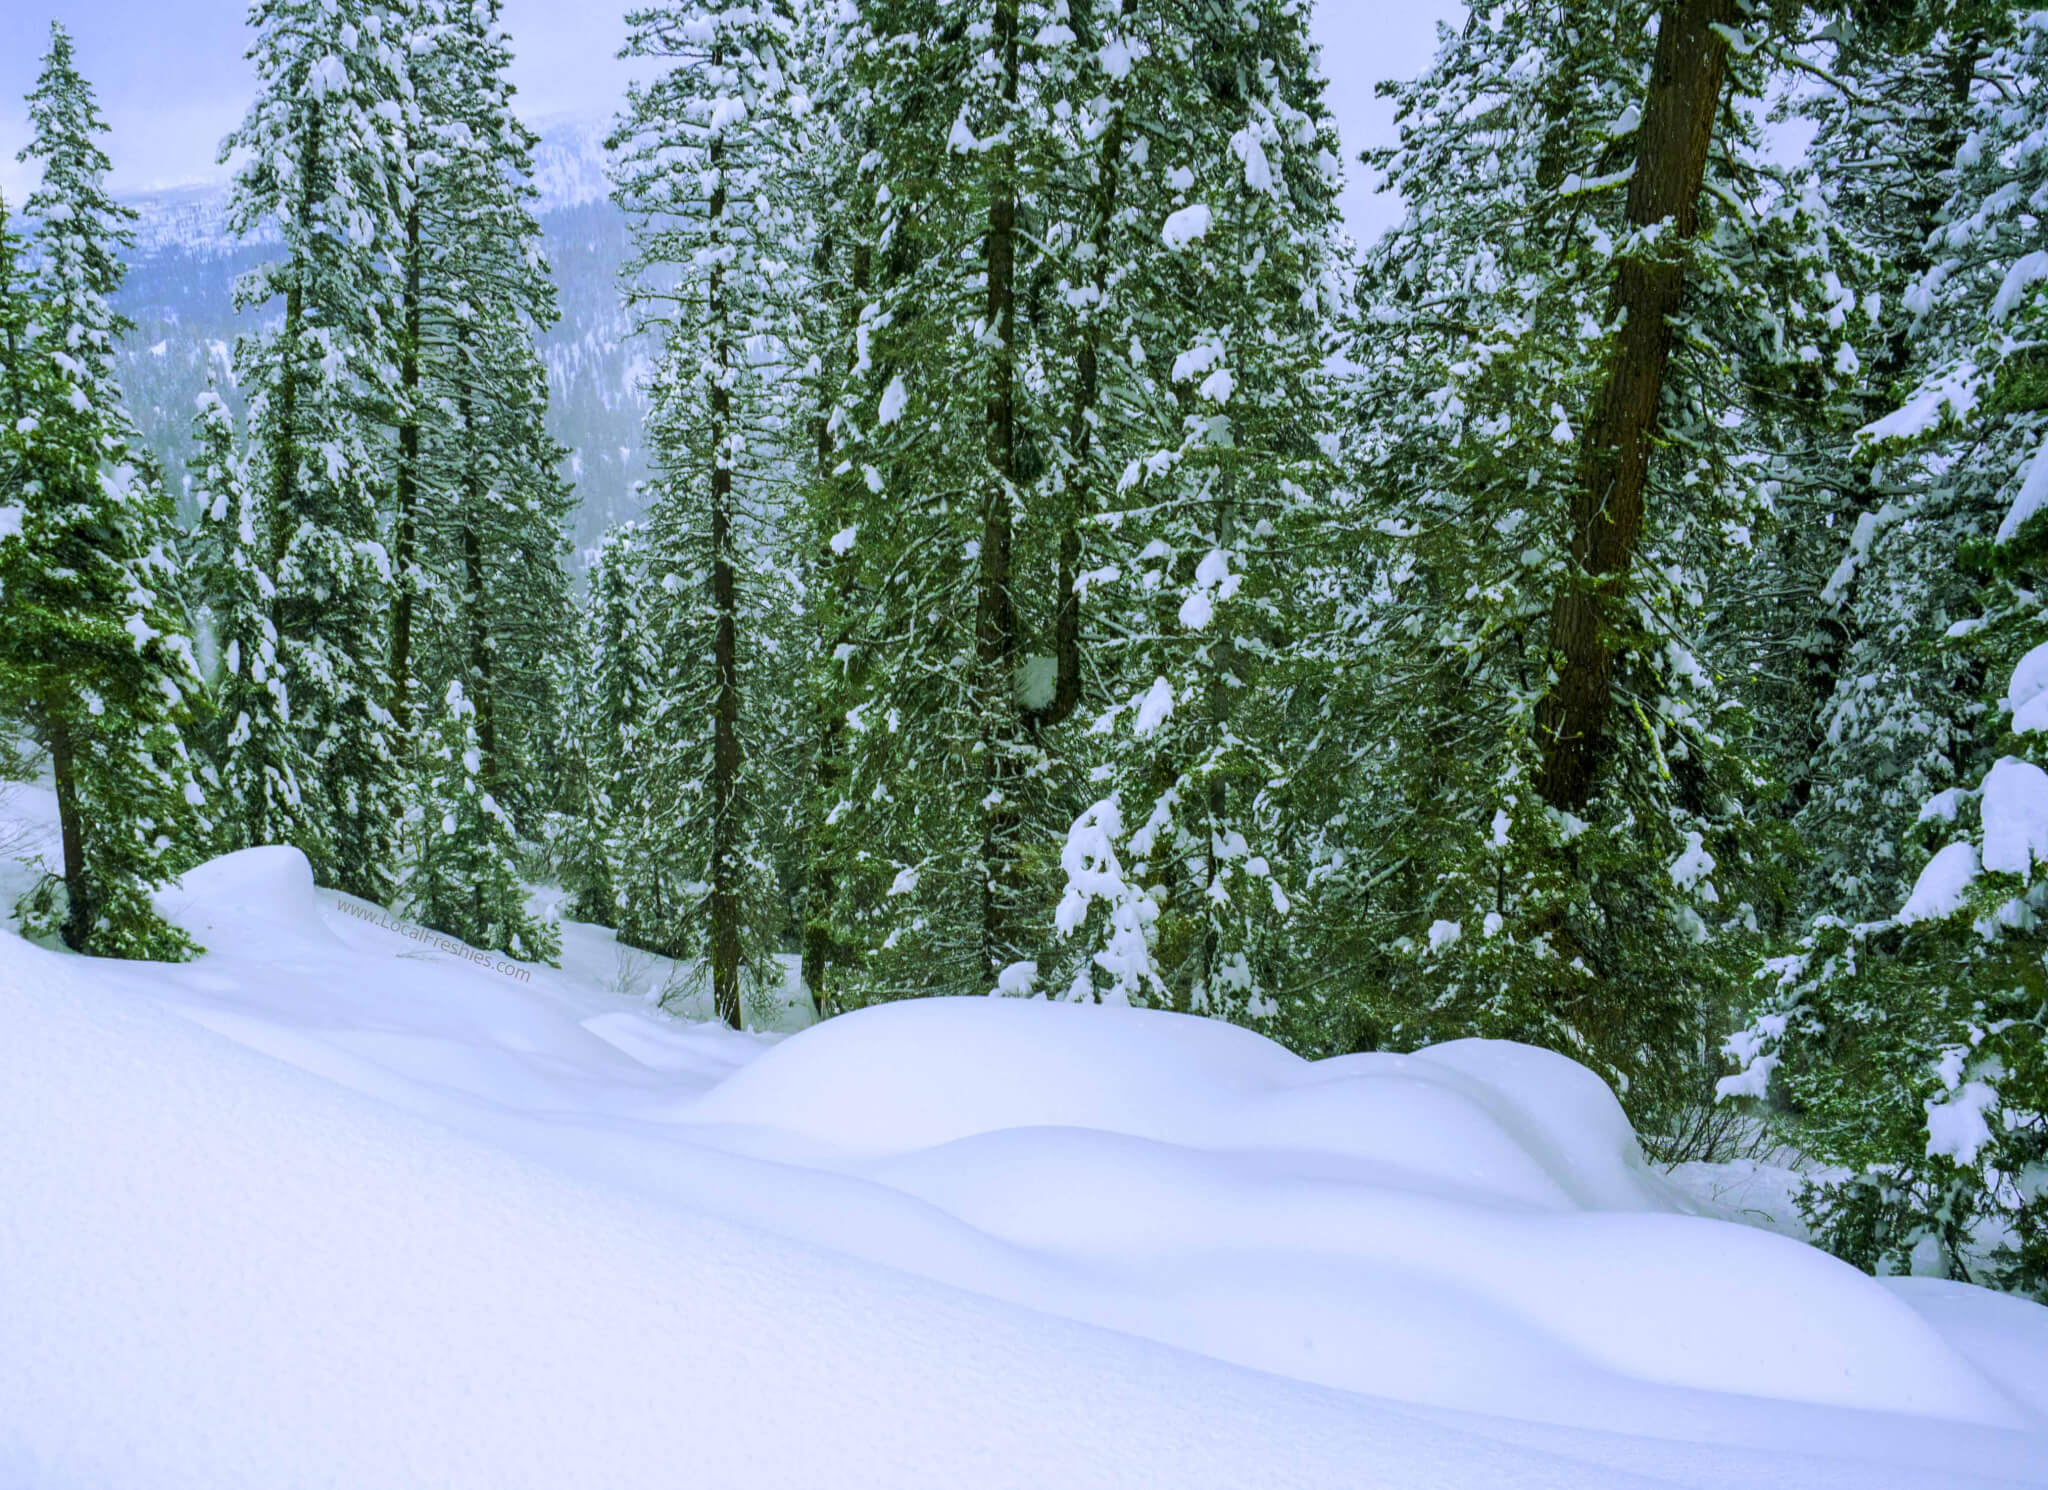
{"x": 180, "y": 294}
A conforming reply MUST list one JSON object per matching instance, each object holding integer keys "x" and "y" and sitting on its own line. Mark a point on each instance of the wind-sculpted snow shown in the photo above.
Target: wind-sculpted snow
{"x": 335, "y": 1205}
{"x": 1481, "y": 1201}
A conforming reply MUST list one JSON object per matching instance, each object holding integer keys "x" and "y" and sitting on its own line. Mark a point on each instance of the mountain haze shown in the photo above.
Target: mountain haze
{"x": 180, "y": 295}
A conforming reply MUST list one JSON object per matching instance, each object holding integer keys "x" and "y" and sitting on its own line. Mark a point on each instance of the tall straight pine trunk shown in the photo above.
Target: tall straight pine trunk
{"x": 996, "y": 608}
{"x": 725, "y": 723}
{"x": 406, "y": 535}
{"x": 1677, "y": 130}
{"x": 830, "y": 763}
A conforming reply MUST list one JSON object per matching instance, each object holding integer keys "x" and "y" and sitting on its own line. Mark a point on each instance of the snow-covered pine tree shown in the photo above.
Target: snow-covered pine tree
{"x": 1195, "y": 450}
{"x": 820, "y": 532}
{"x": 1896, "y": 706}
{"x": 22, "y": 373}
{"x": 256, "y": 768}
{"x": 596, "y": 826}
{"x": 578, "y": 824}
{"x": 464, "y": 876}
{"x": 319, "y": 163}
{"x": 941, "y": 507}
{"x": 479, "y": 528}
{"x": 95, "y": 655}
{"x": 1575, "y": 353}
{"x": 700, "y": 162}
{"x": 1912, "y": 1051}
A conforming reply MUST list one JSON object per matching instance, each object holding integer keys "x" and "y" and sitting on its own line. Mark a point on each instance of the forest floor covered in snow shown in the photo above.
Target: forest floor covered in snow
{"x": 337, "y": 1205}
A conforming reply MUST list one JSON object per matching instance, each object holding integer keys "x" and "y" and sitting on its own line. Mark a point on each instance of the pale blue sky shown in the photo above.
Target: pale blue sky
{"x": 172, "y": 79}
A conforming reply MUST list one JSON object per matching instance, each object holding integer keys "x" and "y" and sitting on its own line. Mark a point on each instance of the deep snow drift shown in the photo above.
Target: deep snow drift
{"x": 334, "y": 1205}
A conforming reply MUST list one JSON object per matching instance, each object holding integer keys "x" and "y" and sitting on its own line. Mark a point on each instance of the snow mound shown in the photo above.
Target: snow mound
{"x": 2005, "y": 1337}
{"x": 1514, "y": 1124}
{"x": 338, "y": 1202}
{"x": 264, "y": 891}
{"x": 1354, "y": 1221}
{"x": 221, "y": 1273}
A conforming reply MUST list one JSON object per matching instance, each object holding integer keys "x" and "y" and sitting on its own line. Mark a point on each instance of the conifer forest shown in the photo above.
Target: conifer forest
{"x": 1608, "y": 611}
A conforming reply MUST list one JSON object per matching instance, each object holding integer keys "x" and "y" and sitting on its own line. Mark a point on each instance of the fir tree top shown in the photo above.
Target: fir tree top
{"x": 82, "y": 229}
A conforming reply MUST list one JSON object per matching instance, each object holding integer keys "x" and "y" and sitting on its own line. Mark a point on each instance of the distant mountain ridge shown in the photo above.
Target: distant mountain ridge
{"x": 568, "y": 171}
{"x": 180, "y": 295}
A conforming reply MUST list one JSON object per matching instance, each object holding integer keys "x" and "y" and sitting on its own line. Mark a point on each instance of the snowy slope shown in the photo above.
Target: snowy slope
{"x": 335, "y": 1205}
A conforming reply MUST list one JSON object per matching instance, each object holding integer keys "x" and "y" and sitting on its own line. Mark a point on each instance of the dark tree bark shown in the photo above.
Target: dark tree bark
{"x": 1677, "y": 129}
{"x": 406, "y": 536}
{"x": 819, "y": 942}
{"x": 82, "y": 905}
{"x": 996, "y": 610}
{"x": 725, "y": 737}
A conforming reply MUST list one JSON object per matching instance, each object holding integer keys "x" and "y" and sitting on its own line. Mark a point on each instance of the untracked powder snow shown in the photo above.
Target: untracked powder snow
{"x": 333, "y": 1205}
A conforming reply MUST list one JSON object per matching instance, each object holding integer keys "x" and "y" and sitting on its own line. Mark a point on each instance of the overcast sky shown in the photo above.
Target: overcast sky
{"x": 172, "y": 78}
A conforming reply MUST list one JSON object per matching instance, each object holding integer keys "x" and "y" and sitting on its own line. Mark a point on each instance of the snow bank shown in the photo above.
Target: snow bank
{"x": 2015, "y": 817}
{"x": 262, "y": 893}
{"x": 1359, "y": 1221}
{"x": 1518, "y": 1124}
{"x": 333, "y": 1205}
{"x": 218, "y": 1272}
{"x": 2027, "y": 695}
{"x": 2004, "y": 1337}
{"x": 2029, "y": 499}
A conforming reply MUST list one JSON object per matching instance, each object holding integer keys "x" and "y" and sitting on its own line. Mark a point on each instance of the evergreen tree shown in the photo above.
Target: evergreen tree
{"x": 1207, "y": 312}
{"x": 578, "y": 828}
{"x": 1599, "y": 315}
{"x": 465, "y": 878}
{"x": 479, "y": 527}
{"x": 95, "y": 655}
{"x": 699, "y": 172}
{"x": 256, "y": 767}
{"x": 1896, "y": 708}
{"x": 930, "y": 524}
{"x": 319, "y": 165}
{"x": 24, "y": 376}
{"x": 1911, "y": 1050}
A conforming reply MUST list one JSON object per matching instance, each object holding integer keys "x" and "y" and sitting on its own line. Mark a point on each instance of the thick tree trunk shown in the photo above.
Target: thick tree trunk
{"x": 406, "y": 536}
{"x": 1677, "y": 128}
{"x": 725, "y": 719}
{"x": 996, "y": 611}
{"x": 83, "y": 909}
{"x": 824, "y": 886}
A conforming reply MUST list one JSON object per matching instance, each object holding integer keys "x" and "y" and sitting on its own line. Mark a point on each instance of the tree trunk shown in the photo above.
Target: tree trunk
{"x": 82, "y": 912}
{"x": 824, "y": 886}
{"x": 407, "y": 533}
{"x": 725, "y": 719}
{"x": 1672, "y": 141}
{"x": 480, "y": 690}
{"x": 996, "y": 611}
